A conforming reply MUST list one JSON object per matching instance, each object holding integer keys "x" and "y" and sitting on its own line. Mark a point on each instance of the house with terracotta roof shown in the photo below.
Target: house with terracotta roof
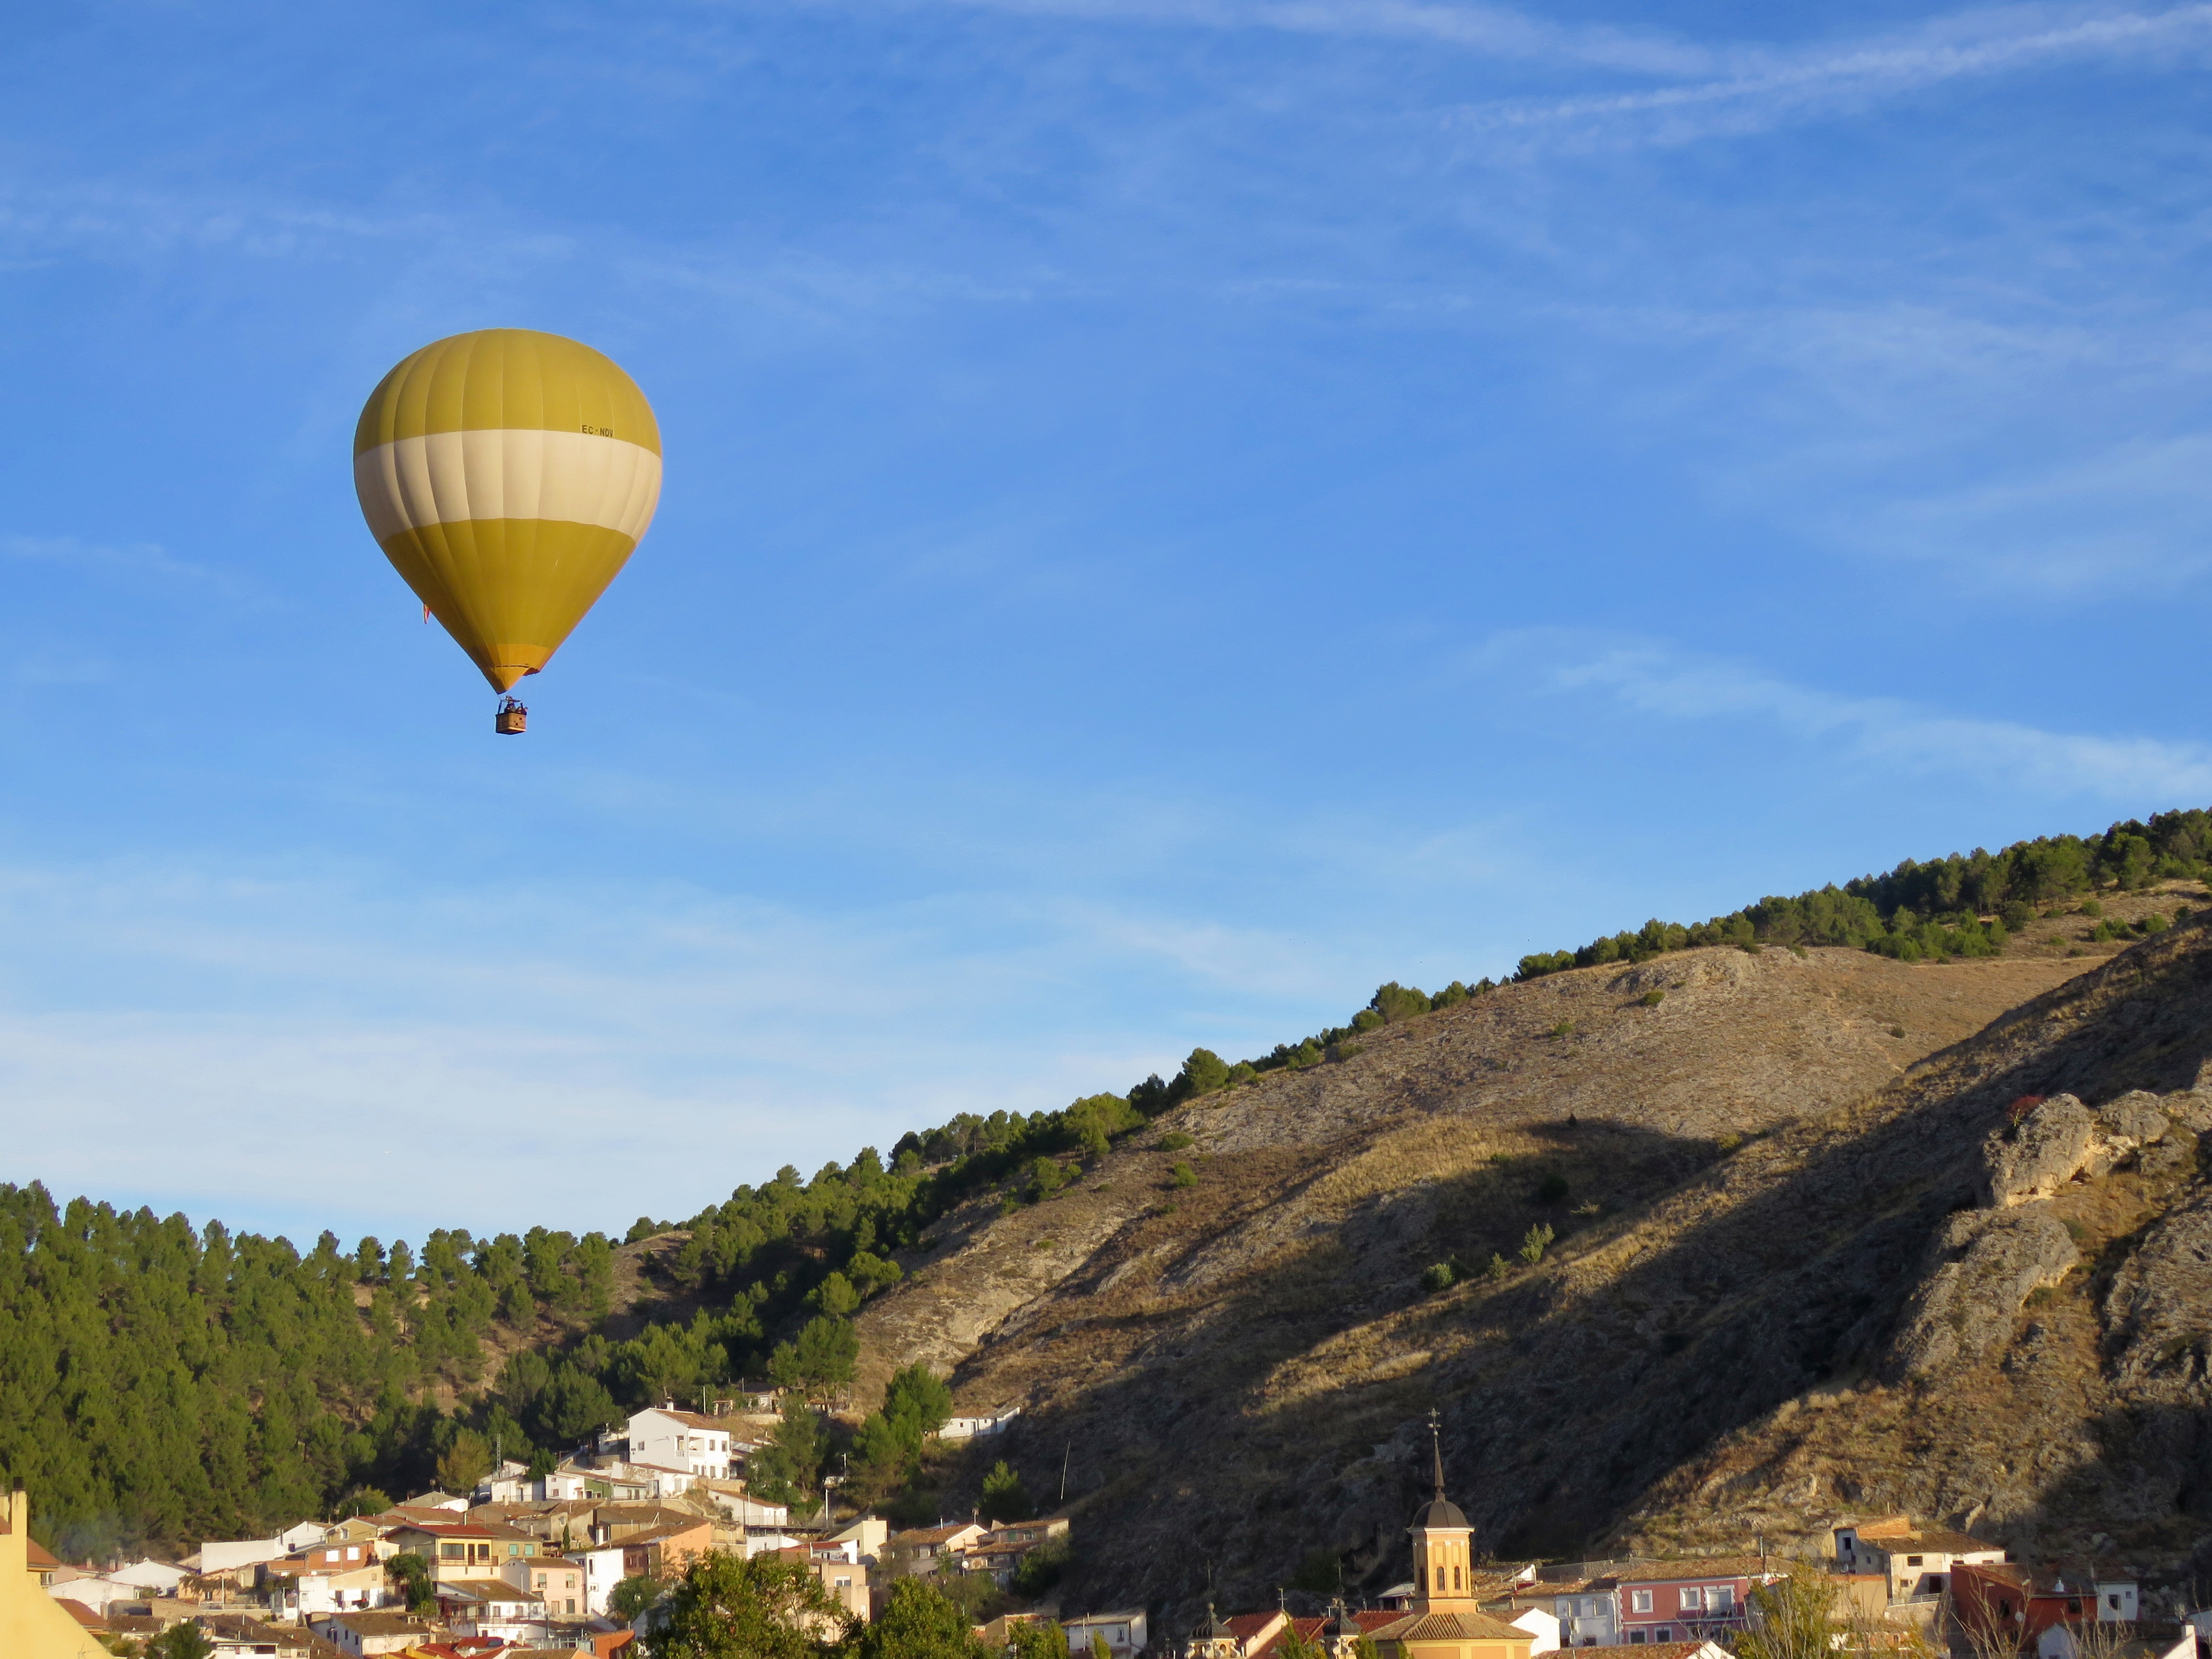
{"x": 999, "y": 1552}
{"x": 1915, "y": 1557}
{"x": 298, "y": 1590}
{"x": 1659, "y": 1602}
{"x": 1997, "y": 1596}
{"x": 1445, "y": 1620}
{"x": 925, "y": 1549}
{"x": 667, "y": 1549}
{"x": 374, "y": 1635}
{"x": 1588, "y": 1609}
{"x": 464, "y": 1549}
{"x": 492, "y": 1607}
{"x": 1123, "y": 1630}
{"x": 845, "y": 1583}
{"x": 557, "y": 1579}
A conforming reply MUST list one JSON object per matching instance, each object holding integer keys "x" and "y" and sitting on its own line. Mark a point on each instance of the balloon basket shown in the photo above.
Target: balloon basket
{"x": 512, "y": 720}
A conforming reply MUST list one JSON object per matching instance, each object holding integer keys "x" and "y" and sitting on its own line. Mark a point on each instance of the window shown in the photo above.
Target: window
{"x": 572, "y": 1604}
{"x": 2113, "y": 1600}
{"x": 449, "y": 1553}
{"x": 1913, "y": 1560}
{"x": 1693, "y": 1599}
{"x": 1636, "y": 1637}
{"x": 1665, "y": 1633}
{"x": 1639, "y": 1600}
{"x": 1440, "y": 1577}
{"x": 1455, "y": 1577}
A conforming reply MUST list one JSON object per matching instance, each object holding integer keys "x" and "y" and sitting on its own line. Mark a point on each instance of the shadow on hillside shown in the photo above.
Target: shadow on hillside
{"x": 1555, "y": 1431}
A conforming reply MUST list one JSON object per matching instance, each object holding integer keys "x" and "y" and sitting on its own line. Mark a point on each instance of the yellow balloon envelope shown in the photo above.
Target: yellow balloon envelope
{"x": 507, "y": 475}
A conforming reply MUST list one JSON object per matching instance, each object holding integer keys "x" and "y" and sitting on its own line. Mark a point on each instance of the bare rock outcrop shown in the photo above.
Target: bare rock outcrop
{"x": 2038, "y": 1155}
{"x": 2136, "y": 1120}
{"x": 2160, "y": 1310}
{"x": 1981, "y": 1268}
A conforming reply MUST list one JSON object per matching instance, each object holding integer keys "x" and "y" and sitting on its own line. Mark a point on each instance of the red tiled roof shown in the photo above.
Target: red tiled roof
{"x": 1307, "y": 1629}
{"x": 1696, "y": 1570}
{"x": 1449, "y": 1627}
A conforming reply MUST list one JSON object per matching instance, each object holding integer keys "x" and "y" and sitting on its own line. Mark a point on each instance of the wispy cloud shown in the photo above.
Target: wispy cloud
{"x": 129, "y": 559}
{"x": 1495, "y": 31}
{"x": 1709, "y": 87}
{"x": 1759, "y": 86}
{"x": 152, "y": 1001}
{"x": 1885, "y": 734}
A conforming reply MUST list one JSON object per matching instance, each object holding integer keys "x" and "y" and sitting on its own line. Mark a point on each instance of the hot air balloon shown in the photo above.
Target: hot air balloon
{"x": 507, "y": 475}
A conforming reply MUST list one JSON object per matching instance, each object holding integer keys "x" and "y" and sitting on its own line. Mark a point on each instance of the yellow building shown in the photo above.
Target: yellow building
{"x": 32, "y": 1623}
{"x": 1444, "y": 1622}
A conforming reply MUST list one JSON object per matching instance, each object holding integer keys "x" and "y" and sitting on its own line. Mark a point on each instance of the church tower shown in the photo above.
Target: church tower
{"x": 1444, "y": 1563}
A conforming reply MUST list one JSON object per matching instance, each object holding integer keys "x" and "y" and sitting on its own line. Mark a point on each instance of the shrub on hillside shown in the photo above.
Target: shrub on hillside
{"x": 1395, "y": 1002}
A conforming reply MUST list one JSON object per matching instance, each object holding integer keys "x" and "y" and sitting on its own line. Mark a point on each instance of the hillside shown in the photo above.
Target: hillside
{"x": 1756, "y": 1170}
{"x": 1250, "y": 1329}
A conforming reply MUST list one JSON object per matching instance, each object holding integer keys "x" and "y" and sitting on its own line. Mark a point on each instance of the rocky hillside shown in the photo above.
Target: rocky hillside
{"x": 1804, "y": 1262}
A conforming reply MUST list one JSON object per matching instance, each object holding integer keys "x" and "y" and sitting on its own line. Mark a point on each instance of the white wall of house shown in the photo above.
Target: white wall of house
{"x": 1589, "y": 1619}
{"x": 973, "y": 1428}
{"x": 668, "y": 1438}
{"x": 1543, "y": 1626}
{"x": 602, "y": 1570}
{"x": 221, "y": 1557}
{"x": 1124, "y": 1632}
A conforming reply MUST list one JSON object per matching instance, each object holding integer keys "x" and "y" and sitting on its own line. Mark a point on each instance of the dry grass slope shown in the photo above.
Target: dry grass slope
{"x": 1753, "y": 1167}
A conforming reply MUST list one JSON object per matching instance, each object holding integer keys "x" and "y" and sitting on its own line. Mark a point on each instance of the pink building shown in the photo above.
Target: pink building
{"x": 1686, "y": 1601}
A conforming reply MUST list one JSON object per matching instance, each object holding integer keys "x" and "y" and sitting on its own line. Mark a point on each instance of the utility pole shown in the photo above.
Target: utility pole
{"x": 1064, "y": 1456}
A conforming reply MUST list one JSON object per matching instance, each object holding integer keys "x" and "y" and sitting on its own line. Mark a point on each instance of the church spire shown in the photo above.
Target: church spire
{"x": 1437, "y": 1443}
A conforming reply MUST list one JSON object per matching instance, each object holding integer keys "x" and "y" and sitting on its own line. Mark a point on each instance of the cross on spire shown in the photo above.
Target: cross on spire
{"x": 1437, "y": 1443}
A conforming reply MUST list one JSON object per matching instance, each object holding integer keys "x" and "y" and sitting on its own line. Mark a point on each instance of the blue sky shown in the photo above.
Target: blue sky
{"x": 1175, "y": 512}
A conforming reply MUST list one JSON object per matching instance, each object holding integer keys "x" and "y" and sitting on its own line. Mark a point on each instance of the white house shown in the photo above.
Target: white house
{"x": 1588, "y": 1614}
{"x": 89, "y": 1590}
{"x": 1916, "y": 1559}
{"x": 556, "y": 1580}
{"x": 1124, "y": 1632}
{"x": 370, "y": 1635}
{"x": 158, "y": 1577}
{"x": 492, "y": 1608}
{"x": 732, "y": 1499}
{"x": 602, "y": 1570}
{"x": 975, "y": 1428}
{"x": 227, "y": 1556}
{"x": 665, "y": 1438}
{"x": 1544, "y": 1626}
{"x": 863, "y": 1539}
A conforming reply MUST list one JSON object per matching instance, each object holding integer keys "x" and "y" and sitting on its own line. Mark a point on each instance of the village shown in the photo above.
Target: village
{"x": 579, "y": 1561}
